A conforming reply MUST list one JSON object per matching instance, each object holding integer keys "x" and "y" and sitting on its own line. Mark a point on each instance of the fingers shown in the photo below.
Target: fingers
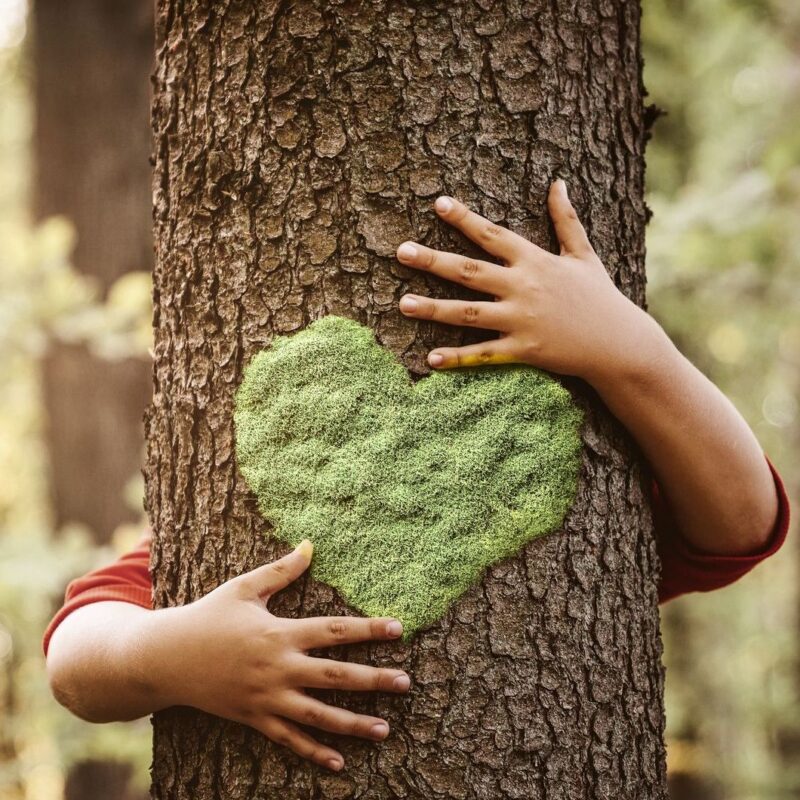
{"x": 286, "y": 733}
{"x": 310, "y": 711}
{"x": 472, "y": 314}
{"x": 479, "y": 275}
{"x": 270, "y": 578}
{"x": 495, "y": 351}
{"x": 494, "y": 239}
{"x": 313, "y": 632}
{"x": 571, "y": 234}
{"x": 325, "y": 673}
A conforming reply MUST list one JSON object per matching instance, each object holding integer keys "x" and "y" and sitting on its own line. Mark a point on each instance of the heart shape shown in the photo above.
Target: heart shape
{"x": 407, "y": 490}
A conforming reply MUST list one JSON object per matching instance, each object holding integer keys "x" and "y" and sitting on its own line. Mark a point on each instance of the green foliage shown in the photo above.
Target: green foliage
{"x": 724, "y": 274}
{"x": 408, "y": 491}
{"x": 42, "y": 296}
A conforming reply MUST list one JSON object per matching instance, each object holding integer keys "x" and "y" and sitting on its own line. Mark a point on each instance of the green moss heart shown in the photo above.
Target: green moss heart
{"x": 407, "y": 490}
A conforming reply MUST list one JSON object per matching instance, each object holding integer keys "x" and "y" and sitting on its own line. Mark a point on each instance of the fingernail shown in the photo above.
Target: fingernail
{"x": 408, "y": 304}
{"x": 407, "y": 251}
{"x": 379, "y": 731}
{"x": 562, "y": 187}
{"x": 444, "y": 204}
{"x": 394, "y": 628}
{"x": 305, "y": 548}
{"x": 335, "y": 764}
{"x": 401, "y": 683}
{"x": 435, "y": 359}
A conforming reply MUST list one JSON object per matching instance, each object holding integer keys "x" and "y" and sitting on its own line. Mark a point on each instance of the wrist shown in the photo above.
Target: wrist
{"x": 639, "y": 357}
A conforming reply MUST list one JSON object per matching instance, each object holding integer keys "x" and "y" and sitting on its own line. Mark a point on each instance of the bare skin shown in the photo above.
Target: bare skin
{"x": 563, "y": 313}
{"x": 225, "y": 654}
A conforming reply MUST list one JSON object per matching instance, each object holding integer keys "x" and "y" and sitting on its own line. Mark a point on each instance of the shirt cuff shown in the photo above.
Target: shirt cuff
{"x": 694, "y": 570}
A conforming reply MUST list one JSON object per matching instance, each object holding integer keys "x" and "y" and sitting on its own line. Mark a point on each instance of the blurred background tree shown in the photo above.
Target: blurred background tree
{"x": 723, "y": 264}
{"x": 724, "y": 268}
{"x": 91, "y": 63}
{"x": 74, "y": 333}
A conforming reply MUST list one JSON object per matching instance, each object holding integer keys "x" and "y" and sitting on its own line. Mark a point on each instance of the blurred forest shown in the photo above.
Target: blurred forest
{"x": 724, "y": 269}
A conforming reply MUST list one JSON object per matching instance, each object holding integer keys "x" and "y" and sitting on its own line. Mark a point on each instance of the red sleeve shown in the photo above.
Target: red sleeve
{"x": 127, "y": 579}
{"x": 685, "y": 569}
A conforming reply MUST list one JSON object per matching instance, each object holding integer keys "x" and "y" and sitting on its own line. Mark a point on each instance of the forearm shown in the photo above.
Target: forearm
{"x": 708, "y": 462}
{"x": 98, "y": 662}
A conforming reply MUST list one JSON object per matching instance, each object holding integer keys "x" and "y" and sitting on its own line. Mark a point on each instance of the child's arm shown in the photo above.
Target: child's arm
{"x": 224, "y": 654}
{"x": 563, "y": 313}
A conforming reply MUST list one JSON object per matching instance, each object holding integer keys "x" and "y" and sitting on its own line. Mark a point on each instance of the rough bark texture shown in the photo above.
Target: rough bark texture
{"x": 296, "y": 145}
{"x": 93, "y": 61}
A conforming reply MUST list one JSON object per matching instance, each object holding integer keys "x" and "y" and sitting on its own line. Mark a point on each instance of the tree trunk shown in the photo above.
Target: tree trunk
{"x": 104, "y": 780}
{"x": 296, "y": 145}
{"x": 93, "y": 62}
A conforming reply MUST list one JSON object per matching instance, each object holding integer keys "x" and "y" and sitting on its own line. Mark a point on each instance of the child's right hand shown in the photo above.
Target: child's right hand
{"x": 228, "y": 655}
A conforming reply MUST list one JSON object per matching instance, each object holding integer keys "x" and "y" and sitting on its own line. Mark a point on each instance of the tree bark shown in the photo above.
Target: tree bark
{"x": 93, "y": 61}
{"x": 296, "y": 145}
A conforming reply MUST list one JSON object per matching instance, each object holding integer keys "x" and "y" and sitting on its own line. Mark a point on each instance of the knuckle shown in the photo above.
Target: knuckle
{"x": 469, "y": 269}
{"x": 484, "y": 356}
{"x": 530, "y": 286}
{"x": 313, "y": 753}
{"x": 247, "y": 715}
{"x": 282, "y": 738}
{"x": 251, "y": 688}
{"x": 334, "y": 675}
{"x": 358, "y": 726}
{"x": 491, "y": 231}
{"x": 532, "y": 350}
{"x": 531, "y": 317}
{"x": 240, "y": 586}
{"x": 279, "y": 568}
{"x": 314, "y": 716}
{"x": 277, "y": 646}
{"x": 338, "y": 628}
{"x": 433, "y": 259}
{"x": 272, "y": 637}
{"x": 471, "y": 314}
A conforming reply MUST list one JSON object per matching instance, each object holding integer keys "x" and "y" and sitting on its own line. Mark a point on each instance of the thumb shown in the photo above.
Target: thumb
{"x": 571, "y": 235}
{"x": 271, "y": 578}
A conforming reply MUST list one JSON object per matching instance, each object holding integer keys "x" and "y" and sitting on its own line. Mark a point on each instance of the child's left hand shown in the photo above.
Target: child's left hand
{"x": 562, "y": 312}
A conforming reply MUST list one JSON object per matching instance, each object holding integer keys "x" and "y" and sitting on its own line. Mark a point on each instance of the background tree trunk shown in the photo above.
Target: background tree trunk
{"x": 93, "y": 62}
{"x": 296, "y": 145}
{"x": 104, "y": 780}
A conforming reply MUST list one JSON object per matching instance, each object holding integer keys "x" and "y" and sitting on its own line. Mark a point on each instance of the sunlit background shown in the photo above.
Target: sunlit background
{"x": 723, "y": 253}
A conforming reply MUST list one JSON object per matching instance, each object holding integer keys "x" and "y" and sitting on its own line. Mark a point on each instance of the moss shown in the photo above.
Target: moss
{"x": 408, "y": 491}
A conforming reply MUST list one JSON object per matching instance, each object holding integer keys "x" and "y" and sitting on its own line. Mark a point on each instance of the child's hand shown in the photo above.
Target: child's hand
{"x": 558, "y": 312}
{"x": 228, "y": 655}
